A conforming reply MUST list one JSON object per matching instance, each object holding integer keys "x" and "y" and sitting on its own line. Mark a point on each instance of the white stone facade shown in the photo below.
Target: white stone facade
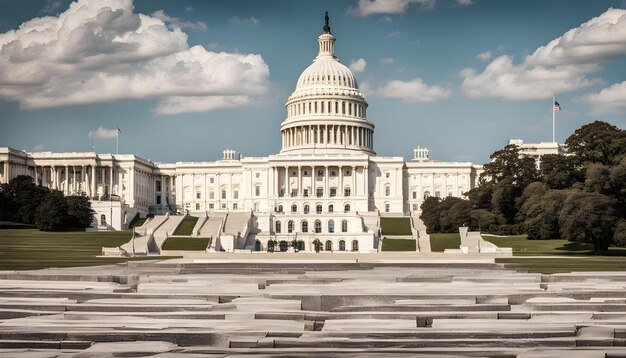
{"x": 326, "y": 182}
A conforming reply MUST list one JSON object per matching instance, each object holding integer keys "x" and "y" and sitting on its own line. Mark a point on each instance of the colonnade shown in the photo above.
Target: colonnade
{"x": 356, "y": 109}
{"x": 332, "y": 134}
{"x": 325, "y": 185}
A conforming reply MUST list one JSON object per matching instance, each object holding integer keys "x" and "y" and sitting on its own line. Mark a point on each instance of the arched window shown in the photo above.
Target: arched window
{"x": 278, "y": 227}
{"x": 355, "y": 245}
{"x": 342, "y": 245}
{"x": 344, "y": 226}
{"x": 280, "y": 208}
{"x": 294, "y": 208}
{"x": 103, "y": 220}
{"x": 331, "y": 208}
{"x": 329, "y": 246}
{"x": 318, "y": 208}
{"x": 290, "y": 226}
{"x": 318, "y": 226}
{"x": 346, "y": 208}
{"x": 426, "y": 194}
{"x": 331, "y": 226}
{"x": 306, "y": 208}
{"x": 305, "y": 226}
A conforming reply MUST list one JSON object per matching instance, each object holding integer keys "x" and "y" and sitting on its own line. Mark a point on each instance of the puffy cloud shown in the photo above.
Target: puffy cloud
{"x": 413, "y": 91}
{"x": 609, "y": 100}
{"x": 176, "y": 105}
{"x": 101, "y": 51}
{"x": 369, "y": 7}
{"x": 562, "y": 65}
{"x": 484, "y": 56}
{"x": 386, "y": 61}
{"x": 104, "y": 133}
{"x": 177, "y": 22}
{"x": 358, "y": 66}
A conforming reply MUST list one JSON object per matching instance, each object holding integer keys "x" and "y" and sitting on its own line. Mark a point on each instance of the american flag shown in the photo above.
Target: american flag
{"x": 557, "y": 105}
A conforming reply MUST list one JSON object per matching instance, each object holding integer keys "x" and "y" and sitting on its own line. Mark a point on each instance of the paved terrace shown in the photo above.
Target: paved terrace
{"x": 291, "y": 305}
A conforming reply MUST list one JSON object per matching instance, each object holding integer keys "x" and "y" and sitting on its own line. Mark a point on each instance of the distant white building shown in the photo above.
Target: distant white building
{"x": 326, "y": 182}
{"x": 537, "y": 150}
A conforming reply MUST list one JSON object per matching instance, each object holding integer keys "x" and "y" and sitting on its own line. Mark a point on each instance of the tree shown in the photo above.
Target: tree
{"x": 503, "y": 199}
{"x": 619, "y": 237}
{"x": 542, "y": 221}
{"x": 79, "y": 212}
{"x": 598, "y": 179}
{"x": 51, "y": 215}
{"x": 509, "y": 163}
{"x": 22, "y": 199}
{"x": 588, "y": 217}
{"x": 430, "y": 214}
{"x": 484, "y": 220}
{"x": 454, "y": 212}
{"x": 559, "y": 171}
{"x": 597, "y": 142}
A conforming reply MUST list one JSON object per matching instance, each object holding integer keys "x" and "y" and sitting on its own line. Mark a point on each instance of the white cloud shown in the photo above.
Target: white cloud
{"x": 176, "y": 105}
{"x": 103, "y": 133}
{"x": 51, "y": 6}
{"x": 484, "y": 56}
{"x": 244, "y": 20}
{"x": 98, "y": 52}
{"x": 369, "y": 7}
{"x": 386, "y": 61}
{"x": 357, "y": 66}
{"x": 609, "y": 100}
{"x": 39, "y": 147}
{"x": 464, "y": 2}
{"x": 413, "y": 91}
{"x": 177, "y": 22}
{"x": 562, "y": 65}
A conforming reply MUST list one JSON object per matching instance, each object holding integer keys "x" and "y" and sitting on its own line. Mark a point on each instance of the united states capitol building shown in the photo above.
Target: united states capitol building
{"x": 326, "y": 183}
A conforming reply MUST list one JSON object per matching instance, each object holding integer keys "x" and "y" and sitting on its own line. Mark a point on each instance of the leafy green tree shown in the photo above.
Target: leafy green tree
{"x": 51, "y": 215}
{"x": 430, "y": 214}
{"x": 598, "y": 179}
{"x": 508, "y": 163}
{"x": 23, "y": 198}
{"x": 619, "y": 237}
{"x": 543, "y": 224}
{"x": 454, "y": 212}
{"x": 484, "y": 220}
{"x": 480, "y": 196}
{"x": 588, "y": 217}
{"x": 79, "y": 212}
{"x": 503, "y": 200}
{"x": 559, "y": 171}
{"x": 597, "y": 142}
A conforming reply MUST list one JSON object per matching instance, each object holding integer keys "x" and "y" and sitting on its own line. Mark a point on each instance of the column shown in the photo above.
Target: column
{"x": 93, "y": 181}
{"x": 326, "y": 181}
{"x": 353, "y": 188}
{"x": 111, "y": 185}
{"x": 83, "y": 181}
{"x": 287, "y": 191}
{"x": 365, "y": 181}
{"x": 299, "y": 181}
{"x": 340, "y": 189}
{"x": 7, "y": 177}
{"x": 36, "y": 176}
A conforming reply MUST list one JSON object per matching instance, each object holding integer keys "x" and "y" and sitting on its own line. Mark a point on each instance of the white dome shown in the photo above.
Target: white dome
{"x": 326, "y": 72}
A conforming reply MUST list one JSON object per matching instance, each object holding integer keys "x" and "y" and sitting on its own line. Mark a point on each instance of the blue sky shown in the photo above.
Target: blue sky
{"x": 460, "y": 77}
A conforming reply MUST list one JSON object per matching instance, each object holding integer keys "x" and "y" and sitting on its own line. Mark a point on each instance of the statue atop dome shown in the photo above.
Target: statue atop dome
{"x": 326, "y": 27}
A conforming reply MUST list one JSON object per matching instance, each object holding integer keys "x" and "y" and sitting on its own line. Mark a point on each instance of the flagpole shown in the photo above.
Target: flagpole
{"x": 117, "y": 141}
{"x": 553, "y": 119}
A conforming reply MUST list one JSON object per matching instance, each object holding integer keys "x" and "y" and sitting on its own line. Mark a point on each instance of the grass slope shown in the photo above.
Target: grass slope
{"x": 184, "y": 243}
{"x": 395, "y": 226}
{"x": 441, "y": 241}
{"x": 29, "y": 249}
{"x": 398, "y": 245}
{"x": 186, "y": 227}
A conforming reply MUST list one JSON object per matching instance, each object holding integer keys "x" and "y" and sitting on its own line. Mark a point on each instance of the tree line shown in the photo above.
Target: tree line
{"x": 580, "y": 196}
{"x": 21, "y": 201}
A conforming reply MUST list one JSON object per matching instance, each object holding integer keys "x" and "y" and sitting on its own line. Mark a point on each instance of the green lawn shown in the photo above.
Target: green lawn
{"x": 440, "y": 241}
{"x": 398, "y": 245}
{"x": 29, "y": 249}
{"x": 186, "y": 227}
{"x": 395, "y": 226}
{"x": 185, "y": 243}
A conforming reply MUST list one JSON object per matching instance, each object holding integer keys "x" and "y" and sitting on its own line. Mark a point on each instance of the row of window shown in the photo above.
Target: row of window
{"x": 319, "y": 192}
{"x": 318, "y": 208}
{"x": 320, "y": 173}
{"x": 304, "y": 226}
{"x": 328, "y": 246}
{"x": 331, "y": 107}
{"x": 223, "y": 206}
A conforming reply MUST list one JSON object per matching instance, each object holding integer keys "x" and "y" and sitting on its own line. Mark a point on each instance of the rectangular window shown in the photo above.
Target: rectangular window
{"x": 346, "y": 192}
{"x": 294, "y": 193}
{"x": 197, "y": 206}
{"x": 387, "y": 191}
{"x": 223, "y": 205}
{"x": 282, "y": 193}
{"x": 198, "y": 195}
{"x": 223, "y": 194}
{"x": 235, "y": 206}
{"x": 211, "y": 195}
{"x": 386, "y": 208}
{"x": 236, "y": 194}
{"x": 333, "y": 192}
{"x": 306, "y": 193}
{"x": 211, "y": 206}
{"x": 319, "y": 192}
{"x": 414, "y": 195}
{"x": 211, "y": 180}
{"x": 437, "y": 194}
{"x": 158, "y": 185}
{"x": 158, "y": 199}
{"x": 257, "y": 191}
{"x": 415, "y": 207}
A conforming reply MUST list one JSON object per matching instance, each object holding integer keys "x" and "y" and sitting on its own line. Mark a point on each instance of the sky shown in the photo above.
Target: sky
{"x": 186, "y": 79}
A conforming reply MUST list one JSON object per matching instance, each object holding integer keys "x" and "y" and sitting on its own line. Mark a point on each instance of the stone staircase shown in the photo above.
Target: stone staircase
{"x": 344, "y": 309}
